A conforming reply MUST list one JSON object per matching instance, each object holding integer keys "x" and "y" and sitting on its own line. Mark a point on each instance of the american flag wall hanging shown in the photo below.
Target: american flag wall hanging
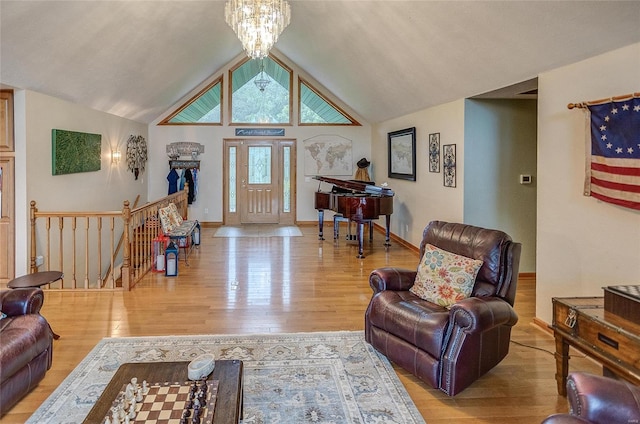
{"x": 613, "y": 150}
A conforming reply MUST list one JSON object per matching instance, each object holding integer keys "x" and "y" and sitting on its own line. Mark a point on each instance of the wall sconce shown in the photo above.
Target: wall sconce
{"x": 115, "y": 157}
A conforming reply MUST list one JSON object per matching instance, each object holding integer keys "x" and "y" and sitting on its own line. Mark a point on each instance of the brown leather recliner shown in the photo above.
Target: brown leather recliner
{"x": 448, "y": 348}
{"x": 594, "y": 399}
{"x": 26, "y": 344}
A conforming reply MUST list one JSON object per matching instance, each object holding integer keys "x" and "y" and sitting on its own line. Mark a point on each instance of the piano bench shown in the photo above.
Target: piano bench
{"x": 338, "y": 218}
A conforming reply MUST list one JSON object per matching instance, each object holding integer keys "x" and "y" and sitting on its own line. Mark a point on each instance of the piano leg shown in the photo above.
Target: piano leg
{"x": 388, "y": 222}
{"x": 360, "y": 229}
{"x": 320, "y": 224}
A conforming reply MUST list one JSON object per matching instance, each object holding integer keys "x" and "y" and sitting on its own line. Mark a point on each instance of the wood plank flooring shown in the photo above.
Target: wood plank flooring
{"x": 294, "y": 284}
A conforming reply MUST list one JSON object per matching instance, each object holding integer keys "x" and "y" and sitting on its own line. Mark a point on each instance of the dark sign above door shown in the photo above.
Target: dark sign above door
{"x": 260, "y": 132}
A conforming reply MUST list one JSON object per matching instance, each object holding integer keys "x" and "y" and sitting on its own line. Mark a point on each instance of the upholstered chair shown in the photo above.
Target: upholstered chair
{"x": 594, "y": 399}
{"x": 449, "y": 345}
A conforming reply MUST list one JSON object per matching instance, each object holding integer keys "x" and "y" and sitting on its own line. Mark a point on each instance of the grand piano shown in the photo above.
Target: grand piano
{"x": 356, "y": 201}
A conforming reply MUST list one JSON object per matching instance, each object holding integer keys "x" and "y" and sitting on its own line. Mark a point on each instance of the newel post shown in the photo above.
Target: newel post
{"x": 126, "y": 262}
{"x": 32, "y": 217}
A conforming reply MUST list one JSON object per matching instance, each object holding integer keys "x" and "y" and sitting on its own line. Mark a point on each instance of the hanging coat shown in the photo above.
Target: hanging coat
{"x": 173, "y": 178}
{"x": 192, "y": 189}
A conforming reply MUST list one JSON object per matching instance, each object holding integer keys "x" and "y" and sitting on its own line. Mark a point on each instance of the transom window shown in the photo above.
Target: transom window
{"x": 315, "y": 109}
{"x": 261, "y": 93}
{"x": 204, "y": 108}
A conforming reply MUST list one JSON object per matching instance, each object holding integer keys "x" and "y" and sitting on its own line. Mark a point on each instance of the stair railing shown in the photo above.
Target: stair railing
{"x": 83, "y": 244}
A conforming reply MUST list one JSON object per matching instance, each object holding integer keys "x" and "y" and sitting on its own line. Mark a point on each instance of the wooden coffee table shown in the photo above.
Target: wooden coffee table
{"x": 228, "y": 406}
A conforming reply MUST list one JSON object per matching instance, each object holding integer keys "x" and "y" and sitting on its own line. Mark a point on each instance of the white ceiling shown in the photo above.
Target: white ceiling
{"x": 383, "y": 58}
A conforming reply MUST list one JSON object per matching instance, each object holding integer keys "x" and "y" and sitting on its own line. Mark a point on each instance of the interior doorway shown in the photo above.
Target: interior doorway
{"x": 259, "y": 181}
{"x": 7, "y": 188}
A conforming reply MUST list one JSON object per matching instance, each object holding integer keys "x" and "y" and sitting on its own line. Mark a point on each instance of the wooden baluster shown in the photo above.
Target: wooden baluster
{"x": 126, "y": 263}
{"x": 73, "y": 252}
{"x": 32, "y": 215}
{"x": 99, "y": 226}
{"x": 61, "y": 244}
{"x": 113, "y": 272}
{"x": 48, "y": 228}
{"x": 86, "y": 254}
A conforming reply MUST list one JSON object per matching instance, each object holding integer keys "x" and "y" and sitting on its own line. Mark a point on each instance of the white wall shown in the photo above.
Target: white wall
{"x": 106, "y": 189}
{"x": 500, "y": 145}
{"x": 209, "y": 201}
{"x": 583, "y": 244}
{"x": 416, "y": 203}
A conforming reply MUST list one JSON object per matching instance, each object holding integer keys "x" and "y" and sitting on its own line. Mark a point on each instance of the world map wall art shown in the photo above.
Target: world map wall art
{"x": 74, "y": 152}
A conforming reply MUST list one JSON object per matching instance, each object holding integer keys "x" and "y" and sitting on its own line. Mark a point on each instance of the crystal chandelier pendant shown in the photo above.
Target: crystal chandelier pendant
{"x": 257, "y": 23}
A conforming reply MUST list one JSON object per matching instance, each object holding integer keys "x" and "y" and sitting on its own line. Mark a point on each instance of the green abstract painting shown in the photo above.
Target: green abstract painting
{"x": 75, "y": 152}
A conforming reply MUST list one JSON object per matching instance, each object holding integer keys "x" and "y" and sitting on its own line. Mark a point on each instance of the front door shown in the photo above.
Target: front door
{"x": 259, "y": 181}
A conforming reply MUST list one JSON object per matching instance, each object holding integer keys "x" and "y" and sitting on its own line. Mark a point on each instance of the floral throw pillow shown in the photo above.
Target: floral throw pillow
{"x": 445, "y": 278}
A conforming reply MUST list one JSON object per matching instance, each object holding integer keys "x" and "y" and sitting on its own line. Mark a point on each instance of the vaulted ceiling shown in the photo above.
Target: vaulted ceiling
{"x": 383, "y": 58}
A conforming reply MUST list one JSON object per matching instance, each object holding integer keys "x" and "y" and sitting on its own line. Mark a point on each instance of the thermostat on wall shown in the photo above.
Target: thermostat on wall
{"x": 525, "y": 179}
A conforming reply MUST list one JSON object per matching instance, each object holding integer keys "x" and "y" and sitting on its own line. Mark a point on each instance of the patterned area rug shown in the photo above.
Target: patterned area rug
{"x": 332, "y": 377}
{"x": 259, "y": 230}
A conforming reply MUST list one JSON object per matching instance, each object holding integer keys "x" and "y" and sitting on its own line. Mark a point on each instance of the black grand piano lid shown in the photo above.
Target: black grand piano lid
{"x": 350, "y": 186}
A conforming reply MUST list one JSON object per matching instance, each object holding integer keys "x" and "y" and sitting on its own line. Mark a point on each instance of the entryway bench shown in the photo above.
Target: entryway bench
{"x": 177, "y": 229}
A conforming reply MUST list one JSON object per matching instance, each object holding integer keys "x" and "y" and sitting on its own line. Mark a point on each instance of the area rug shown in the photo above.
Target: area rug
{"x": 259, "y": 230}
{"x": 330, "y": 377}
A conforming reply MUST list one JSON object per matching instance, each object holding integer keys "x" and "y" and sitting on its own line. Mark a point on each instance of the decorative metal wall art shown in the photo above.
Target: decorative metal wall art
{"x": 434, "y": 152}
{"x": 449, "y": 164}
{"x": 136, "y": 154}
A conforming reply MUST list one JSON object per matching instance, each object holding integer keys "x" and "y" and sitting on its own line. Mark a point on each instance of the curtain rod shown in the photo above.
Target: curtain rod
{"x": 583, "y": 105}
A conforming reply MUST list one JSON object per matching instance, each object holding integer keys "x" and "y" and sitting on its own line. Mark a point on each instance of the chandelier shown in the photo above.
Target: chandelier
{"x": 257, "y": 23}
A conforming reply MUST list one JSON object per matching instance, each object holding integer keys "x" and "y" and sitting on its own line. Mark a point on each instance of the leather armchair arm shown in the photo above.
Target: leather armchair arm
{"x": 397, "y": 279}
{"x": 603, "y": 400}
{"x": 477, "y": 314}
{"x": 23, "y": 301}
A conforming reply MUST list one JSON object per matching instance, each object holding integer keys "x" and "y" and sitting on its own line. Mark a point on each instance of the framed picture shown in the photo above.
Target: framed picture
{"x": 75, "y": 152}
{"x": 449, "y": 164}
{"x": 434, "y": 152}
{"x": 402, "y": 154}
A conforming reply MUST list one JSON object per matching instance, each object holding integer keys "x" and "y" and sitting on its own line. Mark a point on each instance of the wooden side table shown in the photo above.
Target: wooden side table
{"x": 583, "y": 323}
{"x": 37, "y": 279}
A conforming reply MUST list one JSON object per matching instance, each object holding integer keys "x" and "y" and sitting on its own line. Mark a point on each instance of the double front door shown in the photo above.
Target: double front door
{"x": 259, "y": 181}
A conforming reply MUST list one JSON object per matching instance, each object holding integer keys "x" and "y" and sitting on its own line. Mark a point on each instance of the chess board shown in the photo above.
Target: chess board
{"x": 166, "y": 402}
{"x": 623, "y": 301}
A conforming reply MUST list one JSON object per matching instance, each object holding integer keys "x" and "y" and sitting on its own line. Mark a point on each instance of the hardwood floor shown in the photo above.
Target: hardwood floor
{"x": 296, "y": 284}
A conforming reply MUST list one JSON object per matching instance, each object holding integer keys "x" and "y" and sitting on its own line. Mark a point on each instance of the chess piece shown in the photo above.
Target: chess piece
{"x": 128, "y": 394}
{"x": 139, "y": 396}
{"x": 115, "y": 418}
{"x": 145, "y": 387}
{"x": 132, "y": 411}
{"x": 196, "y": 417}
{"x": 121, "y": 413}
{"x": 107, "y": 420}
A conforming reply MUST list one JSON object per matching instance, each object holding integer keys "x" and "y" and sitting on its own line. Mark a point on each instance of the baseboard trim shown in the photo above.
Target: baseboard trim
{"x": 542, "y": 325}
{"x": 210, "y": 224}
